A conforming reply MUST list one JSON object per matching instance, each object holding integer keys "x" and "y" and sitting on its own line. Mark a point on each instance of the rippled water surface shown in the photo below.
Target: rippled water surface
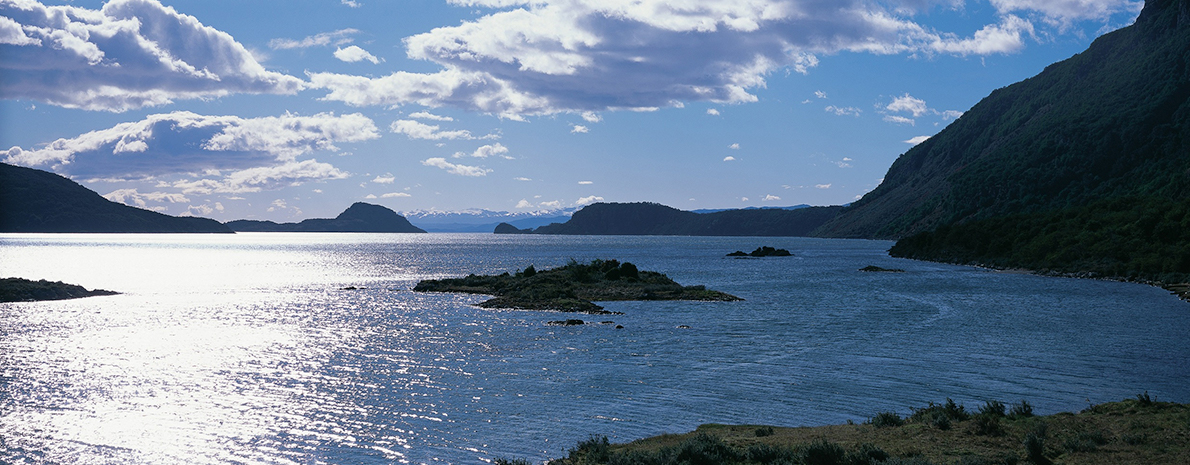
{"x": 245, "y": 349}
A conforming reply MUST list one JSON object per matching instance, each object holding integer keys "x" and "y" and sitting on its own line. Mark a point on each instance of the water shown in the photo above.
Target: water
{"x": 245, "y": 349}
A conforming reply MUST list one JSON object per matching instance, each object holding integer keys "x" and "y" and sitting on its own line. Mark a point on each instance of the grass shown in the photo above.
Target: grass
{"x": 1133, "y": 431}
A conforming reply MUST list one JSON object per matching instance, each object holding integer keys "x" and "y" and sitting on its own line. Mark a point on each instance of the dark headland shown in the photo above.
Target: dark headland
{"x": 359, "y": 217}
{"x": 653, "y": 219}
{"x": 573, "y": 287}
{"x": 24, "y": 290}
{"x": 36, "y": 201}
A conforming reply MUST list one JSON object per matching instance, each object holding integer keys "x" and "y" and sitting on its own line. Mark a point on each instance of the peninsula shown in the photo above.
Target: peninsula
{"x": 24, "y": 290}
{"x": 573, "y": 287}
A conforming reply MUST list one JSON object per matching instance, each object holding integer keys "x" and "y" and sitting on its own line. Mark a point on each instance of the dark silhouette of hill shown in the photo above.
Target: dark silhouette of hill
{"x": 652, "y": 219}
{"x": 38, "y": 201}
{"x": 359, "y": 217}
{"x": 1084, "y": 168}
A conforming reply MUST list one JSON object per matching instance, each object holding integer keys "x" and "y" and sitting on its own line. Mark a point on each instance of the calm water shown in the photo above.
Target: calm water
{"x": 243, "y": 349}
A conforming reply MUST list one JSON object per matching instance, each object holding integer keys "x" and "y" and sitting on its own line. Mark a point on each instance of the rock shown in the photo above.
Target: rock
{"x": 570, "y": 322}
{"x": 873, "y": 268}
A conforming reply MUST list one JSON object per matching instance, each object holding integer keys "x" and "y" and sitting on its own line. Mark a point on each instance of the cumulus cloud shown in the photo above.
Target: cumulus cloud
{"x": 820, "y": 94}
{"x": 354, "y": 53}
{"x": 588, "y": 200}
{"x": 591, "y": 117}
{"x": 844, "y": 111}
{"x": 521, "y": 179}
{"x": 185, "y": 141}
{"x": 712, "y": 112}
{"x": 339, "y": 37}
{"x": 524, "y": 204}
{"x": 429, "y": 116}
{"x": 578, "y": 129}
{"x": 388, "y": 178}
{"x": 391, "y": 195}
{"x": 735, "y": 146}
{"x": 908, "y": 103}
{"x": 418, "y": 130}
{"x": 261, "y": 178}
{"x": 550, "y": 56}
{"x": 729, "y": 158}
{"x": 486, "y": 151}
{"x": 1065, "y": 11}
{"x": 136, "y": 199}
{"x": 770, "y": 198}
{"x": 128, "y": 54}
{"x": 461, "y": 170}
{"x": 822, "y": 186}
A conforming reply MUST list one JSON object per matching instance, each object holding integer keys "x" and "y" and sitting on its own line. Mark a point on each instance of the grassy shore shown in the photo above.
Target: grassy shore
{"x": 1134, "y": 431}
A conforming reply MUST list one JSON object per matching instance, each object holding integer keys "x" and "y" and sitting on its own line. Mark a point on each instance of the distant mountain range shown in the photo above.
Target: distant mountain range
{"x": 478, "y": 220}
{"x": 359, "y": 217}
{"x": 1084, "y": 168}
{"x": 33, "y": 200}
{"x": 655, "y": 219}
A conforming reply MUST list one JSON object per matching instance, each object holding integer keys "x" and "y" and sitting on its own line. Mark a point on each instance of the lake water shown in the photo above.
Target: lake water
{"x": 244, "y": 349}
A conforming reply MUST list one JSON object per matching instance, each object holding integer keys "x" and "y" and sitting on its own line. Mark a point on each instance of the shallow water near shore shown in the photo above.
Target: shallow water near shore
{"x": 246, "y": 349}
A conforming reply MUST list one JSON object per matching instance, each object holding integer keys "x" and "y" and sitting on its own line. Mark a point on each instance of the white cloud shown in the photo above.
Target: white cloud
{"x": 820, "y": 94}
{"x": 418, "y": 130}
{"x": 461, "y": 170}
{"x": 770, "y": 198}
{"x": 521, "y": 179}
{"x": 137, "y": 199}
{"x": 900, "y": 120}
{"x": 712, "y": 112}
{"x": 734, "y": 146}
{"x": 588, "y": 200}
{"x": 351, "y": 3}
{"x": 951, "y": 114}
{"x": 488, "y": 151}
{"x": 917, "y": 140}
{"x": 908, "y": 104}
{"x": 585, "y": 183}
{"x": 354, "y": 53}
{"x": 185, "y": 141}
{"x": 128, "y": 54}
{"x": 843, "y": 164}
{"x": 1065, "y": 11}
{"x": 822, "y": 186}
{"x": 591, "y": 117}
{"x": 553, "y": 204}
{"x": 339, "y": 37}
{"x": 262, "y": 178}
{"x": 430, "y": 116}
{"x": 369, "y": 196}
{"x": 729, "y": 158}
{"x": 844, "y": 111}
{"x": 394, "y": 194}
{"x": 578, "y": 129}
{"x": 548, "y": 56}
{"x": 388, "y": 178}
{"x": 743, "y": 199}
{"x": 524, "y": 204}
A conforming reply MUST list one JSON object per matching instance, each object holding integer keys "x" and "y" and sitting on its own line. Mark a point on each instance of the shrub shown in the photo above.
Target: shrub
{"x": 765, "y": 454}
{"x": 823, "y": 452}
{"x": 593, "y": 450}
{"x": 629, "y": 271}
{"x": 932, "y": 414}
{"x": 886, "y": 419}
{"x": 530, "y": 271}
{"x": 1021, "y": 410}
{"x": 1144, "y": 399}
{"x": 764, "y": 431}
{"x": 992, "y": 408}
{"x": 866, "y": 454}
{"x": 1035, "y": 448}
{"x": 987, "y": 425}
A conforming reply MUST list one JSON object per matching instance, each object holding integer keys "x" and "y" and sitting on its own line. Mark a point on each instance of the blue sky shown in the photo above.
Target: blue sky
{"x": 287, "y": 109}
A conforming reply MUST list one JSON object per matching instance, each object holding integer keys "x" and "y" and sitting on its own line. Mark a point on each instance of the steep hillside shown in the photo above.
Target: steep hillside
{"x": 359, "y": 217}
{"x": 1110, "y": 123}
{"x": 651, "y": 219}
{"x": 39, "y": 201}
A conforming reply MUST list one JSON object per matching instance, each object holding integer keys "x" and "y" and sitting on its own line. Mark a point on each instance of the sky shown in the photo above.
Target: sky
{"x": 291, "y": 109}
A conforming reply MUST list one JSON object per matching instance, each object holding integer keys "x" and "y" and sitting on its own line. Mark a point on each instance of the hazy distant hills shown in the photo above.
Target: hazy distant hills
{"x": 478, "y": 220}
{"x": 656, "y": 219}
{"x": 359, "y": 217}
{"x": 1082, "y": 168}
{"x": 33, "y": 200}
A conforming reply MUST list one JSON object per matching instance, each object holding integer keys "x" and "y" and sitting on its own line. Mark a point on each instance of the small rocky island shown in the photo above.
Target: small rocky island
{"x": 573, "y": 287}
{"x": 876, "y": 269}
{"x": 763, "y": 251}
{"x": 24, "y": 290}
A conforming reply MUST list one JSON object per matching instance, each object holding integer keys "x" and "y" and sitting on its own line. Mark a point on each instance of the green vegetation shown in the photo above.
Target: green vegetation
{"x": 24, "y": 290}
{"x": 1127, "y": 432}
{"x": 1140, "y": 239}
{"x": 573, "y": 287}
{"x": 762, "y": 251}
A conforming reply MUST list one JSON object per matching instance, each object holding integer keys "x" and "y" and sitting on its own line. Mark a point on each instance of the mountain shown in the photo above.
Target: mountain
{"x": 36, "y": 201}
{"x": 359, "y": 217}
{"x": 716, "y": 210}
{"x": 655, "y": 219}
{"x": 479, "y": 220}
{"x": 1083, "y": 168}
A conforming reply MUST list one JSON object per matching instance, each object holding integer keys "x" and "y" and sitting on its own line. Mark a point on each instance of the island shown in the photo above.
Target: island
{"x": 359, "y": 217}
{"x": 877, "y": 269}
{"x": 573, "y": 287}
{"x": 24, "y": 290}
{"x": 763, "y": 251}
